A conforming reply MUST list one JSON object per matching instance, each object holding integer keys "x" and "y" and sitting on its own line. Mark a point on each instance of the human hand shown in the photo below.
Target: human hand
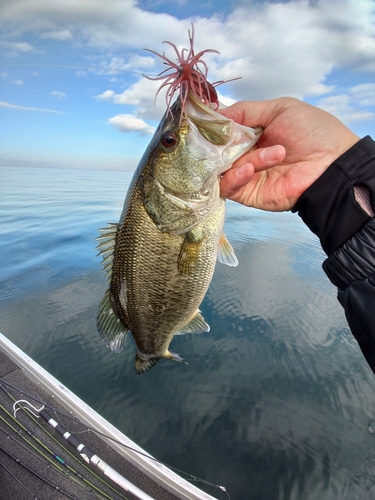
{"x": 298, "y": 144}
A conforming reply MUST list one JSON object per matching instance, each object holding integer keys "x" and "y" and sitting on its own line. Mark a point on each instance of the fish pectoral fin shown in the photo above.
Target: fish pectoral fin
{"x": 196, "y": 325}
{"x": 225, "y": 253}
{"x": 111, "y": 329}
{"x": 189, "y": 254}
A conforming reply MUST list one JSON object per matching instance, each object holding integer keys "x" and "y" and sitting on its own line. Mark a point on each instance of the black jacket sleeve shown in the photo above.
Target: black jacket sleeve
{"x": 347, "y": 235}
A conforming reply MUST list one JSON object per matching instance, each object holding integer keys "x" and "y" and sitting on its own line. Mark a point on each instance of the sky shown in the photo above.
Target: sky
{"x": 72, "y": 90}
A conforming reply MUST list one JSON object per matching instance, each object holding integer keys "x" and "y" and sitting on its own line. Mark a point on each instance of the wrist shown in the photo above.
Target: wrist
{"x": 330, "y": 206}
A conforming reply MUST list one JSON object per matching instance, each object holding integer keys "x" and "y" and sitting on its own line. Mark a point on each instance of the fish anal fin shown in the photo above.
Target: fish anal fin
{"x": 195, "y": 325}
{"x": 225, "y": 253}
{"x": 111, "y": 329}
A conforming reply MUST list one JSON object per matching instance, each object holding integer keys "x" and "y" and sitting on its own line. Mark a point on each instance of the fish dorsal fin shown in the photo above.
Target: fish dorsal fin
{"x": 106, "y": 248}
{"x": 196, "y": 325}
{"x": 111, "y": 329}
{"x": 225, "y": 253}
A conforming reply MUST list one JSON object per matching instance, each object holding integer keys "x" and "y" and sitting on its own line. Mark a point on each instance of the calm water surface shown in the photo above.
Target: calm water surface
{"x": 276, "y": 402}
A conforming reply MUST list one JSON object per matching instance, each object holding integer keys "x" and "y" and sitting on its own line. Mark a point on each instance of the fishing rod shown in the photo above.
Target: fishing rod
{"x": 17, "y": 480}
{"x": 34, "y": 455}
{"x": 86, "y": 453}
{"x": 87, "y": 427}
{"x": 59, "y": 463}
{"x": 54, "y": 486}
{"x": 59, "y": 459}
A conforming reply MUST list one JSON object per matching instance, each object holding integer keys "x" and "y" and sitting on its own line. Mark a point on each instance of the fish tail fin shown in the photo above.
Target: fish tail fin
{"x": 144, "y": 364}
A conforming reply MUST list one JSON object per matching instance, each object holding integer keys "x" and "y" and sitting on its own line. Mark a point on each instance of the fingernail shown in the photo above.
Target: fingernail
{"x": 270, "y": 154}
{"x": 243, "y": 169}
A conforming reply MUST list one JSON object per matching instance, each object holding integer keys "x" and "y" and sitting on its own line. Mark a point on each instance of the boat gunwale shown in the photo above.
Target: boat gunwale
{"x": 140, "y": 459}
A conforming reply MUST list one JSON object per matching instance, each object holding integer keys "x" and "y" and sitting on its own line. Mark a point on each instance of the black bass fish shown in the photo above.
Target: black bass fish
{"x": 160, "y": 258}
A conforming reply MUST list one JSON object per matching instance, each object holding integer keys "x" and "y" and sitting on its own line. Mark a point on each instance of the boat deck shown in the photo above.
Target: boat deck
{"x": 36, "y": 460}
{"x": 22, "y": 448}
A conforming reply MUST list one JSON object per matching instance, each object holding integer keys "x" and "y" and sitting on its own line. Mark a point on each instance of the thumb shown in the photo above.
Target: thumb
{"x": 255, "y": 113}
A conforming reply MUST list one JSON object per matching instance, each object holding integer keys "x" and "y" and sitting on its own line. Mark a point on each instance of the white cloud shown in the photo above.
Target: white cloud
{"x": 130, "y": 123}
{"x": 225, "y": 100}
{"x": 279, "y": 48}
{"x": 14, "y": 49}
{"x": 140, "y": 95}
{"x": 309, "y": 36}
{"x": 20, "y": 46}
{"x": 18, "y": 82}
{"x": 364, "y": 94}
{"x": 355, "y": 105}
{"x": 27, "y": 108}
{"x": 120, "y": 65}
{"x": 344, "y": 107}
{"x": 57, "y": 94}
{"x": 105, "y": 96}
{"x": 61, "y": 35}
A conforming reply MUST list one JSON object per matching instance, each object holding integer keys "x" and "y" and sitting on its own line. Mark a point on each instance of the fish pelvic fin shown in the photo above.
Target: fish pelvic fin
{"x": 174, "y": 357}
{"x": 111, "y": 329}
{"x": 144, "y": 363}
{"x": 225, "y": 253}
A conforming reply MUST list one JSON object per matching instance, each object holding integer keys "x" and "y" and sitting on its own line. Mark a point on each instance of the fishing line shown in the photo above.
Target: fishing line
{"x": 86, "y": 453}
{"x": 55, "y": 487}
{"x": 106, "y": 71}
{"x": 77, "y": 477}
{"x": 18, "y": 481}
{"x": 92, "y": 429}
{"x": 28, "y": 413}
{"x": 47, "y": 460}
{"x": 39, "y": 457}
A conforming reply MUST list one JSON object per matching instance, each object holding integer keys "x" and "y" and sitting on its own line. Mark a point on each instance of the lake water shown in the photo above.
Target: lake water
{"x": 276, "y": 403}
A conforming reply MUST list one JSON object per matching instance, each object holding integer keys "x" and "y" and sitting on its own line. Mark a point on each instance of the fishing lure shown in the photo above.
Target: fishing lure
{"x": 188, "y": 74}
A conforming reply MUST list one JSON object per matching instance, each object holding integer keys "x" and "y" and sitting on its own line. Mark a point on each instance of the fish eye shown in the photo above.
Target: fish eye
{"x": 169, "y": 139}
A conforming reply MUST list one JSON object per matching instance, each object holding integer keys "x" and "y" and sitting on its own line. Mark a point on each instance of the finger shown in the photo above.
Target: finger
{"x": 264, "y": 158}
{"x": 253, "y": 113}
{"x": 235, "y": 179}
